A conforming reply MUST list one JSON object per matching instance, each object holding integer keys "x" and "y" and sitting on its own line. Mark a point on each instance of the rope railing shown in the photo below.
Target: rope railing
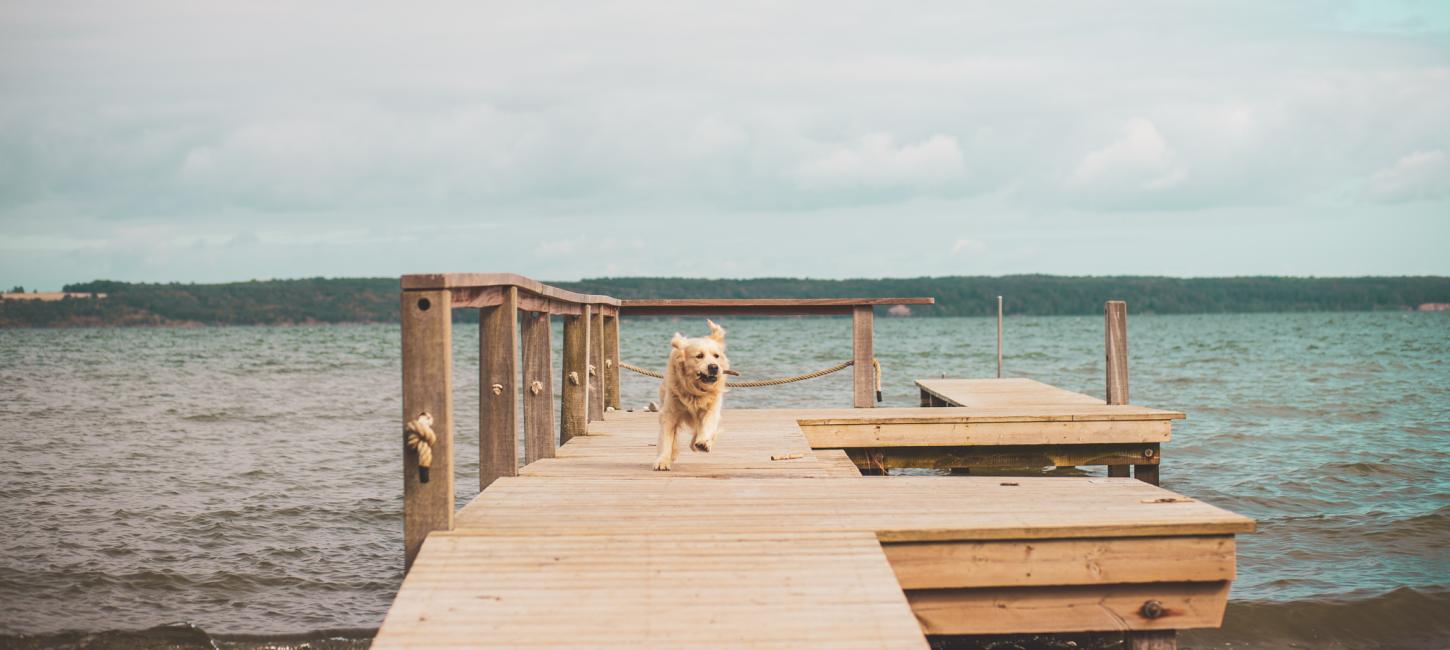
{"x": 768, "y": 382}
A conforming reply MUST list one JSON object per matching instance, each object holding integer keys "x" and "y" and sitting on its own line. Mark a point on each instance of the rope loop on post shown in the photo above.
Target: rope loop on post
{"x": 419, "y": 436}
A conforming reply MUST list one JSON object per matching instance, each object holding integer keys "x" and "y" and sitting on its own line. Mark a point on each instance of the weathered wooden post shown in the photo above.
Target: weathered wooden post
{"x": 427, "y": 388}
{"x": 574, "y": 405}
{"x": 538, "y": 387}
{"x": 863, "y": 375}
{"x": 498, "y": 371}
{"x": 596, "y": 365}
{"x": 999, "y": 337}
{"x": 1115, "y": 344}
{"x": 611, "y": 361}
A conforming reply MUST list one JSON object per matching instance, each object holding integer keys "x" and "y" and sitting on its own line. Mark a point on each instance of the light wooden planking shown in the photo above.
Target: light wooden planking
{"x": 1025, "y": 413}
{"x": 1014, "y": 563}
{"x": 574, "y": 398}
{"x": 1011, "y": 391}
{"x": 951, "y": 434}
{"x": 902, "y": 509}
{"x": 654, "y": 591}
{"x": 838, "y": 461}
{"x": 427, "y": 331}
{"x": 1088, "y": 608}
{"x": 498, "y": 371}
{"x": 623, "y": 446}
{"x": 538, "y": 386}
{"x": 977, "y": 555}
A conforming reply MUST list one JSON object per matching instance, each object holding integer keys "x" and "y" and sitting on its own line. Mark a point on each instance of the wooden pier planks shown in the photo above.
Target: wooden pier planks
{"x": 794, "y": 590}
{"x": 1011, "y": 391}
{"x": 902, "y": 509}
{"x": 582, "y": 549}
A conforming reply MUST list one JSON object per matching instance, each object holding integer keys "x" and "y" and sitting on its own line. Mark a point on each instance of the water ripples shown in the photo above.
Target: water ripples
{"x": 246, "y": 479}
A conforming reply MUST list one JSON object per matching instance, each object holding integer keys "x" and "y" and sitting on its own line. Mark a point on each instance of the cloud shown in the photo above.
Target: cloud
{"x": 487, "y": 129}
{"x": 1139, "y": 161}
{"x": 557, "y": 247}
{"x": 876, "y": 161}
{"x": 965, "y": 245}
{"x": 1419, "y": 176}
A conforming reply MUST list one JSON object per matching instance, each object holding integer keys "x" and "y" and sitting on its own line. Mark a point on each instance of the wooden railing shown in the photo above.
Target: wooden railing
{"x": 515, "y": 364}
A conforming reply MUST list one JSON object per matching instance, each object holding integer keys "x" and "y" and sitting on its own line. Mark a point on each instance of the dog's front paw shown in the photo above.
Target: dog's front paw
{"x": 702, "y": 445}
{"x": 662, "y": 464}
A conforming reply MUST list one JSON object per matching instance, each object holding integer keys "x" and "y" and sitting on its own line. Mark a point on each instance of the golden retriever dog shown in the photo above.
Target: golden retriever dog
{"x": 692, "y": 393}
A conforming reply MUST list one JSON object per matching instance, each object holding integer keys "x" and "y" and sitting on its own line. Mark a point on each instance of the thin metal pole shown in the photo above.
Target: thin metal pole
{"x": 999, "y": 337}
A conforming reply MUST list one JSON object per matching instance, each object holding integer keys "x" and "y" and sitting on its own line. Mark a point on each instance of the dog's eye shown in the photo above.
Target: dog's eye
{"x": 717, "y": 356}
{"x": 700, "y": 355}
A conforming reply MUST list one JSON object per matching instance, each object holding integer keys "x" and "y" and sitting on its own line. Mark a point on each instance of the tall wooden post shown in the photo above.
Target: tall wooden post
{"x": 574, "y": 405}
{"x": 863, "y": 375}
{"x": 538, "y": 387}
{"x": 611, "y": 361}
{"x": 498, "y": 391}
{"x": 999, "y": 337}
{"x": 1115, "y": 353}
{"x": 427, "y": 388}
{"x": 596, "y": 365}
{"x": 1115, "y": 343}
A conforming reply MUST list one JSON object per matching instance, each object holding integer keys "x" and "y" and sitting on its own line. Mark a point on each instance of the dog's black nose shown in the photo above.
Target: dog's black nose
{"x": 714, "y": 369}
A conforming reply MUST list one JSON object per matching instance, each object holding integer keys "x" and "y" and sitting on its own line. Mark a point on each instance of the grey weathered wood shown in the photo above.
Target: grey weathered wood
{"x": 1115, "y": 342}
{"x": 596, "y": 366}
{"x": 1154, "y": 640}
{"x": 863, "y": 376}
{"x": 496, "y": 280}
{"x": 574, "y": 405}
{"x": 1115, "y": 346}
{"x": 999, "y": 337}
{"x": 498, "y": 372}
{"x": 427, "y": 328}
{"x": 758, "y": 306}
{"x": 538, "y": 386}
{"x": 611, "y": 362}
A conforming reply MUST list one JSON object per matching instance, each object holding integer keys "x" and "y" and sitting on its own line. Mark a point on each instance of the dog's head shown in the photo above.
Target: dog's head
{"x": 701, "y": 362}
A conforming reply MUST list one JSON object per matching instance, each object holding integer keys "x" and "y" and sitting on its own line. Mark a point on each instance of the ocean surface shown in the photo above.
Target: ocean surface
{"x": 240, "y": 487}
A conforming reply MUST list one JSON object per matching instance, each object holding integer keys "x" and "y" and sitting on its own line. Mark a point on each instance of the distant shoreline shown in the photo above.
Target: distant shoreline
{"x": 318, "y": 301}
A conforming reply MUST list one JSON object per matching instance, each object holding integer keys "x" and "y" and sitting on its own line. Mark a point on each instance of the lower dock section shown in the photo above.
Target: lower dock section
{"x": 734, "y": 549}
{"x": 822, "y": 590}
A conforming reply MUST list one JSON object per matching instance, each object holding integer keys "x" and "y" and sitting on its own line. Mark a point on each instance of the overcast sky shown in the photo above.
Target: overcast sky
{"x": 197, "y": 141}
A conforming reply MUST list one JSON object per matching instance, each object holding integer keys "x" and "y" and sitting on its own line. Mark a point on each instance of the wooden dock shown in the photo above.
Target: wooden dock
{"x": 585, "y": 546}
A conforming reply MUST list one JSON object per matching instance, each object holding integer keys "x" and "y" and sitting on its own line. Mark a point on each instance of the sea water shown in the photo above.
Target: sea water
{"x": 243, "y": 483}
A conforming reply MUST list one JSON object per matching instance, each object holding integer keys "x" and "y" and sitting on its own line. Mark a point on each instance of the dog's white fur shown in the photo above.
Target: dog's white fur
{"x": 688, "y": 401}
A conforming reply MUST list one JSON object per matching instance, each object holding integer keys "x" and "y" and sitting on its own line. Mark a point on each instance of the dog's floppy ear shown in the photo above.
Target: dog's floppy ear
{"x": 717, "y": 333}
{"x": 679, "y": 342}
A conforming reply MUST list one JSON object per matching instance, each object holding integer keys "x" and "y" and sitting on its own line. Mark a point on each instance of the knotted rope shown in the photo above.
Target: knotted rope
{"x": 773, "y": 382}
{"x": 420, "y": 436}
